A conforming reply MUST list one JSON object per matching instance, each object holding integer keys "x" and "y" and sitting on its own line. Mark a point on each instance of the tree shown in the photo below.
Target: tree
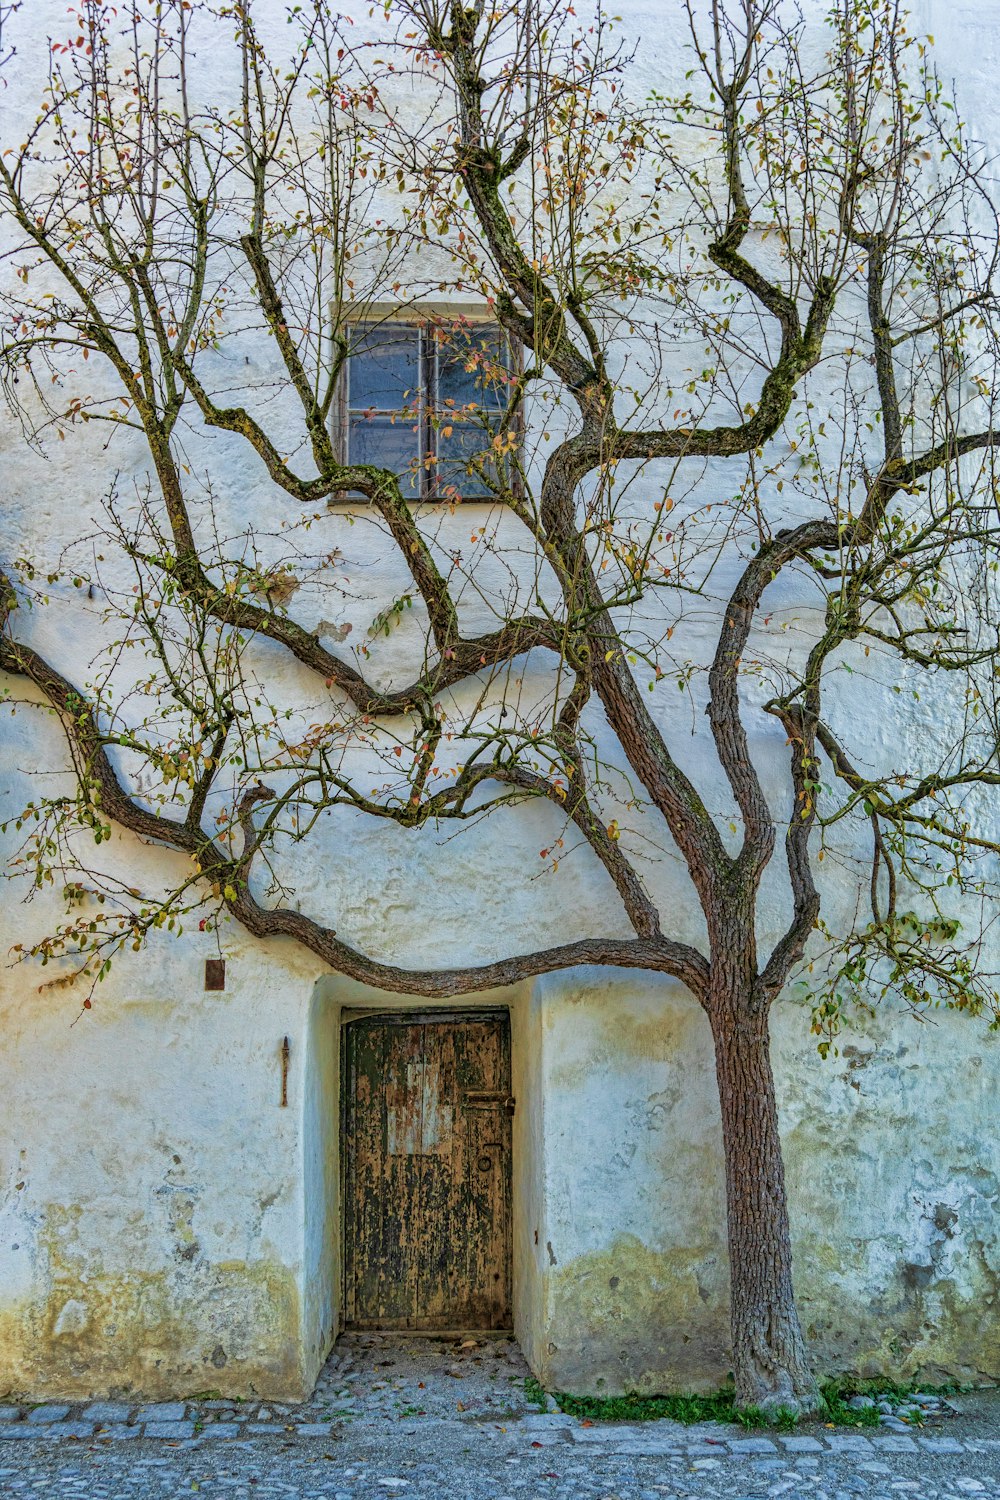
{"x": 747, "y": 359}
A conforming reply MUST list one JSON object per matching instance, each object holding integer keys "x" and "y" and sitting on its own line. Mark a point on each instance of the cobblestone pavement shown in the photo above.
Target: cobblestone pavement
{"x": 418, "y": 1417}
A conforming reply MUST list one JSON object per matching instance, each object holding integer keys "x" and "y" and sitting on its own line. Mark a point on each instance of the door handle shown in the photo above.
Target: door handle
{"x": 478, "y": 1099}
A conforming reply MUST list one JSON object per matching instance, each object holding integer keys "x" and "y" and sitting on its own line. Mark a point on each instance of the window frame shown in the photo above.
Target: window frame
{"x": 421, "y": 320}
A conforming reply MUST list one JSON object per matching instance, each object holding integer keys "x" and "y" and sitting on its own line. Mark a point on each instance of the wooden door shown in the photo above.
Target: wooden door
{"x": 427, "y": 1171}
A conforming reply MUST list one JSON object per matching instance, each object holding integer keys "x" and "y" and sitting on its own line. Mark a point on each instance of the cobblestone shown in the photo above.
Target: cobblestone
{"x": 107, "y": 1411}
{"x": 162, "y": 1411}
{"x": 428, "y": 1419}
{"x": 47, "y": 1414}
{"x": 447, "y": 1460}
{"x": 175, "y": 1431}
{"x": 849, "y": 1442}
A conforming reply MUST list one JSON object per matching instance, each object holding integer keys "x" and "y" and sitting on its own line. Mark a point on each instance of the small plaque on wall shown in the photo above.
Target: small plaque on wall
{"x": 215, "y": 973}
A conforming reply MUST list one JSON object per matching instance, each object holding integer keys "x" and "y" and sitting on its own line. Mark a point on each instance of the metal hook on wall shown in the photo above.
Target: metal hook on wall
{"x": 286, "y": 1052}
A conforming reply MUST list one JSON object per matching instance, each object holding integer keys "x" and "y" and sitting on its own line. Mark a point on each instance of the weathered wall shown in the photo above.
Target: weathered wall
{"x": 893, "y": 1173}
{"x": 530, "y": 1178}
{"x": 320, "y": 1203}
{"x": 152, "y": 1190}
{"x": 165, "y": 1226}
{"x": 635, "y": 1278}
{"x": 894, "y": 1176}
{"x": 151, "y": 1220}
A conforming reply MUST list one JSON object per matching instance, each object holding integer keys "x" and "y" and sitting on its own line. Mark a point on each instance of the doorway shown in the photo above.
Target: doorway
{"x": 426, "y": 1127}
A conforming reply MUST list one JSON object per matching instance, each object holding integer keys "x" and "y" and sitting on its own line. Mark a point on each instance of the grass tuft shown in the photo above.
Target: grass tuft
{"x": 535, "y": 1392}
{"x": 835, "y": 1396}
{"x": 721, "y": 1406}
{"x": 781, "y": 1419}
{"x": 635, "y": 1408}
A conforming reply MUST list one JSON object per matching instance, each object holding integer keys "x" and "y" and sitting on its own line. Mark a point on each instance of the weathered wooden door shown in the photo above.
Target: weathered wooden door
{"x": 427, "y": 1158}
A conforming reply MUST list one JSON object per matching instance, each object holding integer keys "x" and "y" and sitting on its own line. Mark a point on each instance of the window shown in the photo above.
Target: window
{"x": 427, "y": 401}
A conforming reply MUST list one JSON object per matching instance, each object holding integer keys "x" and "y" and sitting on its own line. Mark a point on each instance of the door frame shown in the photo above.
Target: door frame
{"x": 409, "y": 1016}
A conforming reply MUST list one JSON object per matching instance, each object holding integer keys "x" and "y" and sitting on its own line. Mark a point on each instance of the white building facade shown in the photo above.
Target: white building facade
{"x": 179, "y": 1182}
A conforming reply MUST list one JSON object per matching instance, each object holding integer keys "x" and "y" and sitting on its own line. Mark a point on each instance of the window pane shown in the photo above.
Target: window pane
{"x": 384, "y": 369}
{"x": 468, "y": 440}
{"x": 472, "y": 370}
{"x": 390, "y": 445}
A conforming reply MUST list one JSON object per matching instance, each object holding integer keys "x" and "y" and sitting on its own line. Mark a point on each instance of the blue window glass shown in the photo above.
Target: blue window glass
{"x": 472, "y": 392}
{"x": 387, "y": 444}
{"x": 427, "y": 403}
{"x": 384, "y": 369}
{"x": 466, "y": 461}
{"x": 472, "y": 371}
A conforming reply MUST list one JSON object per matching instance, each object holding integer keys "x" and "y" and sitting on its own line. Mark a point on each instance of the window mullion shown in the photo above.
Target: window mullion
{"x": 429, "y": 486}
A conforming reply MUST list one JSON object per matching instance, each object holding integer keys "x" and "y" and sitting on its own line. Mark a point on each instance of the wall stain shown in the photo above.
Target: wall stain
{"x": 631, "y": 1318}
{"x": 909, "y": 1318}
{"x": 234, "y": 1326}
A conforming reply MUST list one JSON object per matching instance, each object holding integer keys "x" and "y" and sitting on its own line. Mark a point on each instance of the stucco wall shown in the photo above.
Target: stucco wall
{"x": 151, "y": 1221}
{"x": 893, "y": 1173}
{"x": 166, "y": 1226}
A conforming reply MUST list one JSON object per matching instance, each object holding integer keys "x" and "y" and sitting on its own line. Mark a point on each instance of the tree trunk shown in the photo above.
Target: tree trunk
{"x": 770, "y": 1364}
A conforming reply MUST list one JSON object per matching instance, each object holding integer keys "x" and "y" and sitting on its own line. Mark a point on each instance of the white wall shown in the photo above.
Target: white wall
{"x": 893, "y": 1175}
{"x": 166, "y": 1226}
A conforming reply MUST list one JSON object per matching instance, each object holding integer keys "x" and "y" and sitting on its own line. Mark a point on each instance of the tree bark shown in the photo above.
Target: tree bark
{"x": 770, "y": 1364}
